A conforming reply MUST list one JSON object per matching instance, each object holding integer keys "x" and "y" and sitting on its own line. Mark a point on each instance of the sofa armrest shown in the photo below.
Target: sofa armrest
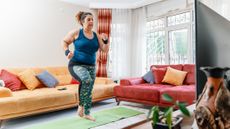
{"x": 5, "y": 92}
{"x": 132, "y": 81}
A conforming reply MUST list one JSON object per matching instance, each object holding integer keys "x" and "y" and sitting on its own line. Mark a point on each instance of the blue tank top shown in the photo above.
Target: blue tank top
{"x": 85, "y": 49}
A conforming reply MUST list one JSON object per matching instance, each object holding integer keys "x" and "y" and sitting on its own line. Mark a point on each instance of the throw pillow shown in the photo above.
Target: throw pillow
{"x": 47, "y": 79}
{"x": 158, "y": 74}
{"x": 11, "y": 81}
{"x": 5, "y": 92}
{"x": 73, "y": 81}
{"x": 29, "y": 79}
{"x": 148, "y": 77}
{"x": 174, "y": 77}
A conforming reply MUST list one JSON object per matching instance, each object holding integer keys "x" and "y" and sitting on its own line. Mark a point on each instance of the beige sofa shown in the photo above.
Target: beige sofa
{"x": 28, "y": 102}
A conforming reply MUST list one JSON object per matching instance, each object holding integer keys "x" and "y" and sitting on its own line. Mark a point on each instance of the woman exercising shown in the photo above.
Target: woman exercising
{"x": 82, "y": 60}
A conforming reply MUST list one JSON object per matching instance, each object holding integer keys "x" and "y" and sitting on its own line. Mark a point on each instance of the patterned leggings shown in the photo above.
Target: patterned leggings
{"x": 85, "y": 74}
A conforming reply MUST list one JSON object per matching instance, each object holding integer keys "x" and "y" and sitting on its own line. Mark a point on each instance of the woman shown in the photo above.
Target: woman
{"x": 82, "y": 60}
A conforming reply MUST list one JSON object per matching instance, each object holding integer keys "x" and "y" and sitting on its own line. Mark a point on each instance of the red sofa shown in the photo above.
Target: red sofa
{"x": 137, "y": 90}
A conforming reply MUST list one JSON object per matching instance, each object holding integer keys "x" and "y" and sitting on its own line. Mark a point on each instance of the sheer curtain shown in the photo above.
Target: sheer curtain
{"x": 120, "y": 43}
{"x": 138, "y": 60}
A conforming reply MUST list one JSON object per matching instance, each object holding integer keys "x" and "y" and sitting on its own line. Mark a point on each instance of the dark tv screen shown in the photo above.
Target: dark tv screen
{"x": 212, "y": 42}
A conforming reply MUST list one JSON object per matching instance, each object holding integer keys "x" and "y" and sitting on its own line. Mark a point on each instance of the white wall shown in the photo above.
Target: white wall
{"x": 31, "y": 31}
{"x": 220, "y": 6}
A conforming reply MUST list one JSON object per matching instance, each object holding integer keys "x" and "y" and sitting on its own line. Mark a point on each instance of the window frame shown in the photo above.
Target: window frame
{"x": 167, "y": 29}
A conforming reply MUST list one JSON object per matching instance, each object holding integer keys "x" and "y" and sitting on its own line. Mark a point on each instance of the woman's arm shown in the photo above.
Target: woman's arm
{"x": 103, "y": 47}
{"x": 67, "y": 40}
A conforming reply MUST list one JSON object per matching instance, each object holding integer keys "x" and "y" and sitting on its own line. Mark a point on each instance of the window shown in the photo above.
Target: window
{"x": 156, "y": 49}
{"x": 178, "y": 46}
{"x": 179, "y": 19}
{"x": 169, "y": 40}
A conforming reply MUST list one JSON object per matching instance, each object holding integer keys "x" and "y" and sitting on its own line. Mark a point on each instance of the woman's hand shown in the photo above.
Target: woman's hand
{"x": 103, "y": 42}
{"x": 104, "y": 38}
{"x": 70, "y": 55}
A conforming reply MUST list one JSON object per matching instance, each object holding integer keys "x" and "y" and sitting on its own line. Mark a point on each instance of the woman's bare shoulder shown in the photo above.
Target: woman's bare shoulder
{"x": 74, "y": 32}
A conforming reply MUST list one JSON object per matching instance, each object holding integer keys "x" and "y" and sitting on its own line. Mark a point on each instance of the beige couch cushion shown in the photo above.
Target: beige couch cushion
{"x": 5, "y": 92}
{"x": 26, "y": 100}
{"x": 63, "y": 79}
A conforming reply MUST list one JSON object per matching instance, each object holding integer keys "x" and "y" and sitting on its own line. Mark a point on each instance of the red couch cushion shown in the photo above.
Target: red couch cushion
{"x": 145, "y": 92}
{"x": 158, "y": 74}
{"x": 184, "y": 93}
{"x": 190, "y": 77}
{"x": 11, "y": 81}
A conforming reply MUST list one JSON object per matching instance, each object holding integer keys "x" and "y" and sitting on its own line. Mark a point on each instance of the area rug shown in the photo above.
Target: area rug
{"x": 102, "y": 117}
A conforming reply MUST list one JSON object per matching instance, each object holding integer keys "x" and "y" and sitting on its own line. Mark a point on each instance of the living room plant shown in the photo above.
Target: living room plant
{"x": 165, "y": 118}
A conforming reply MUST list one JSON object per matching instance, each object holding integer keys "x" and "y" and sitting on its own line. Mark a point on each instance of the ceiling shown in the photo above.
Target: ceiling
{"x": 112, "y": 3}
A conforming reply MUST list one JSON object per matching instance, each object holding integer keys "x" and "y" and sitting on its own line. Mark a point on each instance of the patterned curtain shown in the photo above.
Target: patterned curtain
{"x": 104, "y": 22}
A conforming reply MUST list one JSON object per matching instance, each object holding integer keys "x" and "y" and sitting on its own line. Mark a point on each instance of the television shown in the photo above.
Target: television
{"x": 212, "y": 41}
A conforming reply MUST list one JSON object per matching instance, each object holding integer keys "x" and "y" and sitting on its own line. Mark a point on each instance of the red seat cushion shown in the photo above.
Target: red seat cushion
{"x": 184, "y": 93}
{"x": 145, "y": 92}
{"x": 11, "y": 81}
{"x": 190, "y": 77}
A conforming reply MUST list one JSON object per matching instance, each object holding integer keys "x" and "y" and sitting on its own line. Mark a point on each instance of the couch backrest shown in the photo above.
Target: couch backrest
{"x": 177, "y": 66}
{"x": 103, "y": 80}
{"x": 60, "y": 72}
{"x": 190, "y": 68}
{"x": 190, "y": 77}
